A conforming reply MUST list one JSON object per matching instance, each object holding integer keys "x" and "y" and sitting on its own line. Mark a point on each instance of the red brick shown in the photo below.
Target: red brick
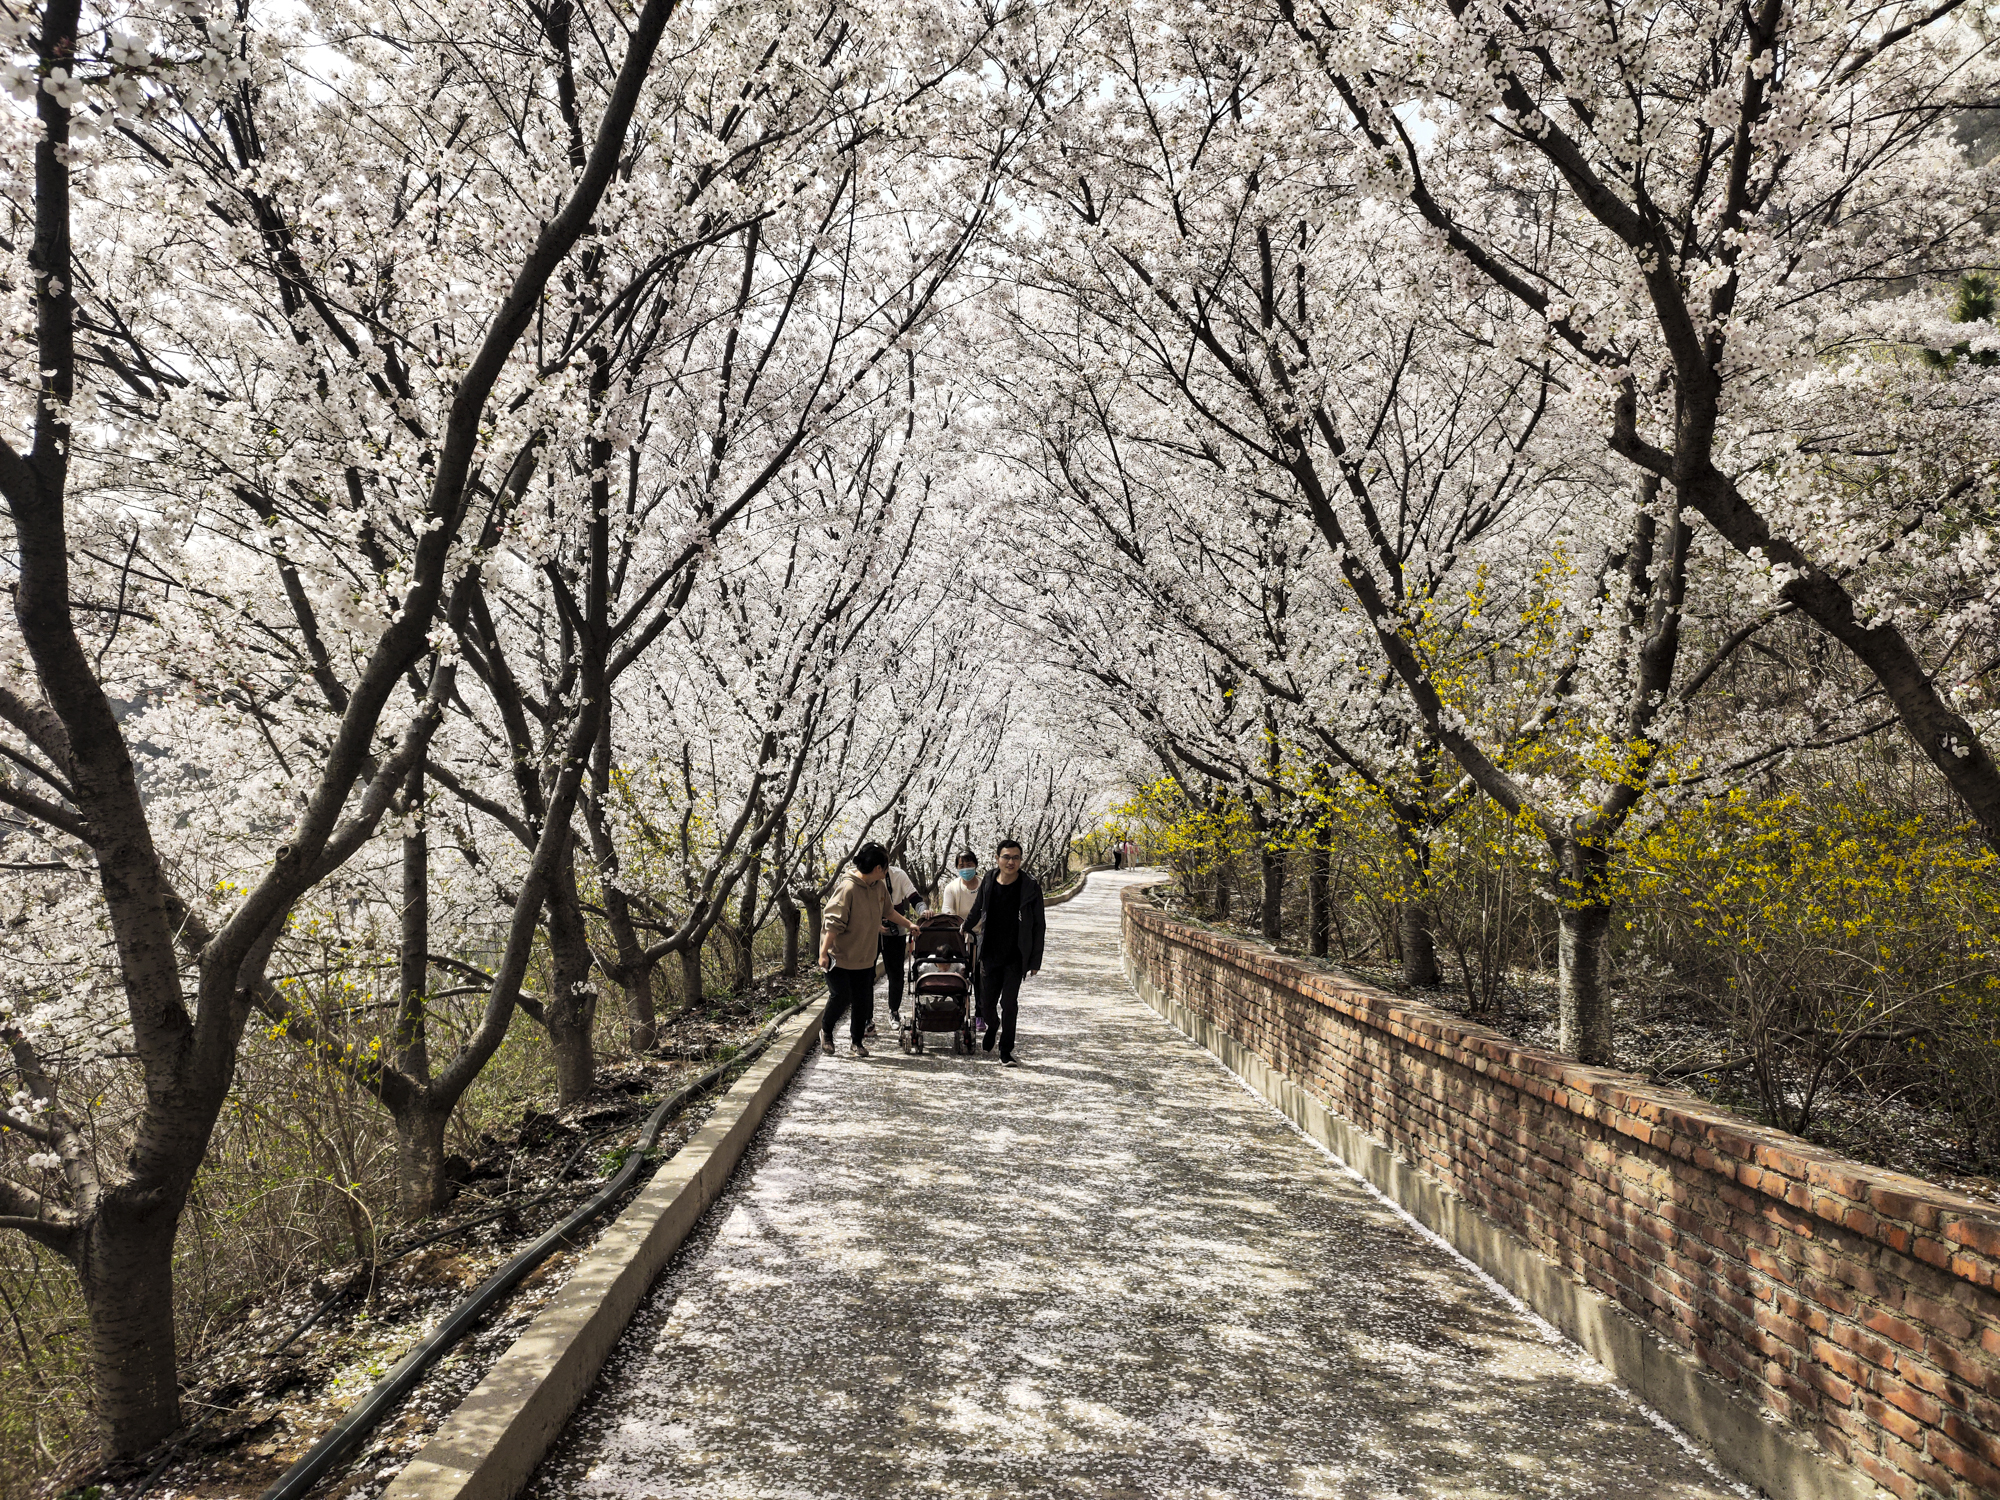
{"x": 1892, "y": 1327}
{"x": 1916, "y": 1403}
{"x": 1937, "y": 1317}
{"x": 1921, "y": 1374}
{"x": 1829, "y": 1384}
{"x": 1982, "y": 1442}
{"x": 1958, "y": 1366}
{"x": 1892, "y": 1479}
{"x": 1924, "y": 1248}
{"x": 1969, "y": 1467}
{"x": 1834, "y": 1441}
{"x": 1781, "y": 1328}
{"x": 1837, "y": 1359}
{"x": 1982, "y": 1235}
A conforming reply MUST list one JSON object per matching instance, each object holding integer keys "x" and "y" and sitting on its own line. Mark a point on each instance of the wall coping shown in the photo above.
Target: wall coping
{"x": 1910, "y": 1215}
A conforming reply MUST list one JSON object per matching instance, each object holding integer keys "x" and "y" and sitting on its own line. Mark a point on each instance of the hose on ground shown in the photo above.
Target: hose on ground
{"x": 348, "y": 1433}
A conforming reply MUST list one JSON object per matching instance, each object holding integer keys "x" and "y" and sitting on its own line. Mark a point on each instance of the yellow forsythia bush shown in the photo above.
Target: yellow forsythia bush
{"x": 1847, "y": 942}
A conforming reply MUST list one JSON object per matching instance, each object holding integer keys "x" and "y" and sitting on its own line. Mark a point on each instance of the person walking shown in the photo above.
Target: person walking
{"x": 851, "y": 939}
{"x": 902, "y": 895}
{"x": 1013, "y": 923}
{"x": 961, "y": 889}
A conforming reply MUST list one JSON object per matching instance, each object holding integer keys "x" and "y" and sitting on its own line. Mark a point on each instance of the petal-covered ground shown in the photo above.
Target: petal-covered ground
{"x": 1111, "y": 1272}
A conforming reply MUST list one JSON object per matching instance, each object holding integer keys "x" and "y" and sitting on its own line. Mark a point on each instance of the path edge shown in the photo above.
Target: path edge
{"x": 492, "y": 1444}
{"x": 1738, "y": 1439}
{"x": 1082, "y": 880}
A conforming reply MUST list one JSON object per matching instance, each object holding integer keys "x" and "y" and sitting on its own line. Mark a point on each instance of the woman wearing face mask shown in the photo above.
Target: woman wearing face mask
{"x": 956, "y": 899}
{"x": 961, "y": 888}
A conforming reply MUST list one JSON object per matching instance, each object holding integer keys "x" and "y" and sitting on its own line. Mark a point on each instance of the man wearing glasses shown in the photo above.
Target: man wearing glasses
{"x": 1009, "y": 903}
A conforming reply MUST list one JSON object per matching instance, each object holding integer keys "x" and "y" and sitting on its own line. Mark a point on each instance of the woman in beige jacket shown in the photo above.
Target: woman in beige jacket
{"x": 850, "y": 939}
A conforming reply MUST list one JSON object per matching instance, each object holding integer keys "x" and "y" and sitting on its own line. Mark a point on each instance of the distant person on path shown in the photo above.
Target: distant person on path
{"x": 895, "y": 946}
{"x": 1130, "y": 852}
{"x": 851, "y": 939}
{"x": 1009, "y": 908}
{"x": 1118, "y": 855}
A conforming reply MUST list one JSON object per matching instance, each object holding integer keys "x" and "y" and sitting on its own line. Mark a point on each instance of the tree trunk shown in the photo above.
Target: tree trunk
{"x": 788, "y": 918}
{"x": 1319, "y": 894}
{"x": 570, "y": 1033}
{"x": 1583, "y": 945}
{"x": 639, "y": 1006}
{"x": 1222, "y": 890}
{"x": 570, "y": 1013}
{"x": 126, "y": 1267}
{"x": 420, "y": 1186}
{"x": 635, "y": 974}
{"x": 1420, "y": 960}
{"x": 691, "y": 977}
{"x": 1419, "y": 948}
{"x": 746, "y": 928}
{"x": 815, "y": 908}
{"x": 1272, "y": 912}
{"x": 412, "y": 1039}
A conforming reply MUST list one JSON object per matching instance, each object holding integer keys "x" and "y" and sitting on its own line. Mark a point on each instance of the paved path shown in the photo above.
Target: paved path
{"x": 1112, "y": 1272}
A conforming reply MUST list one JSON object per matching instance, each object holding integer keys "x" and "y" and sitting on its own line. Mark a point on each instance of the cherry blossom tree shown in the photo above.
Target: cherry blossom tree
{"x": 1715, "y": 219}
{"x": 1233, "y": 306}
{"x": 96, "y": 368}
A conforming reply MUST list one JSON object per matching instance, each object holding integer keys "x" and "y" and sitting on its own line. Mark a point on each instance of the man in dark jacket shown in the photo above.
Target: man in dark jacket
{"x": 1010, "y": 949}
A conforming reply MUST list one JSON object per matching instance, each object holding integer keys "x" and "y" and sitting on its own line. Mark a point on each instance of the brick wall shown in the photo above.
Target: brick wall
{"x": 1855, "y": 1303}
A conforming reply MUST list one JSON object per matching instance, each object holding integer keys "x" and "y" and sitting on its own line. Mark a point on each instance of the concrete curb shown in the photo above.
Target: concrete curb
{"x": 490, "y": 1447}
{"x": 1743, "y": 1442}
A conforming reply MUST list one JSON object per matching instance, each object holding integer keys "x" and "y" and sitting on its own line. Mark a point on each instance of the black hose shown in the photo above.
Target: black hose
{"x": 346, "y": 1434}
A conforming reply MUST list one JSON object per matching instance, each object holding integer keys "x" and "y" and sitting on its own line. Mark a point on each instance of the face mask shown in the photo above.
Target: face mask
{"x": 966, "y": 873}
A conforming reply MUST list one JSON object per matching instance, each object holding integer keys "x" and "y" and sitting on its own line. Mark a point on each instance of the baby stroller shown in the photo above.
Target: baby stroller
{"x": 940, "y": 984}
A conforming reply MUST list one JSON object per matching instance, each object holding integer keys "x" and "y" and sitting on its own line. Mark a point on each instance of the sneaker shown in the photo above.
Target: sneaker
{"x": 1010, "y": 1062}
{"x": 871, "y": 1028}
{"x": 826, "y": 1044}
{"x": 859, "y": 1050}
{"x": 978, "y": 1025}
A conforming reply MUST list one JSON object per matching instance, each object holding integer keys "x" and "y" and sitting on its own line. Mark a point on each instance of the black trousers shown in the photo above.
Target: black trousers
{"x": 895, "y": 954}
{"x": 1000, "y": 1004}
{"x": 849, "y": 992}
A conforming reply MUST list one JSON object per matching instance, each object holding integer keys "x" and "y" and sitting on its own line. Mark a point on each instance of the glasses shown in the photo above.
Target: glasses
{"x": 1010, "y": 858}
